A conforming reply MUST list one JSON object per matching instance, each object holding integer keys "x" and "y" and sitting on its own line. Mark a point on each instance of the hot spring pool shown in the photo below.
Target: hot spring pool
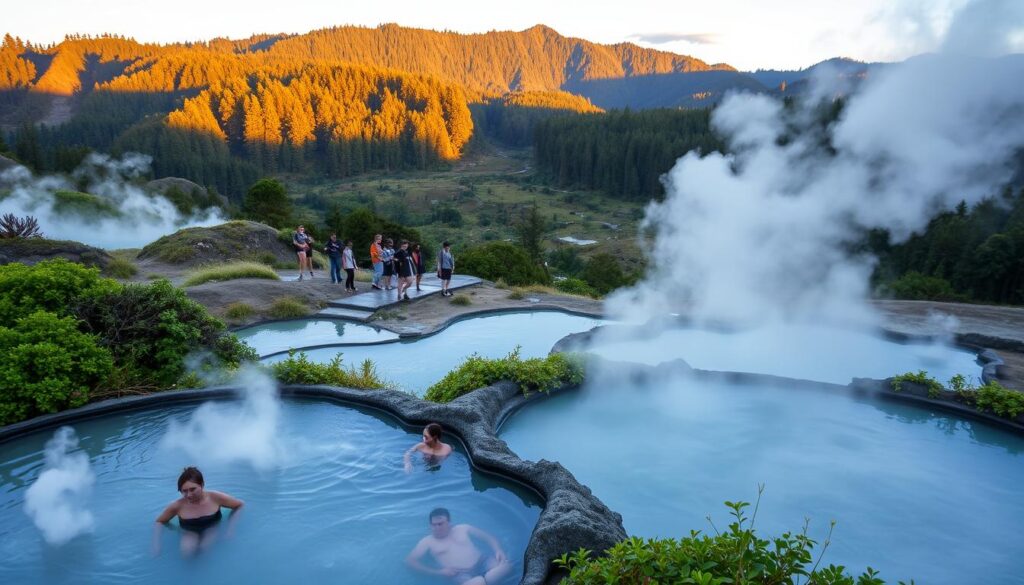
{"x": 806, "y": 352}
{"x": 416, "y": 364}
{"x": 281, "y": 336}
{"x": 334, "y": 507}
{"x": 917, "y": 493}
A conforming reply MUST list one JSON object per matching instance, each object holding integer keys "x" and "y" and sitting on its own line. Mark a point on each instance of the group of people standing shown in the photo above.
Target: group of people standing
{"x": 406, "y": 264}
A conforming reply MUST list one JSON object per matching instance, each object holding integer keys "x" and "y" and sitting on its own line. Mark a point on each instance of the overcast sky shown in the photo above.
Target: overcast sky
{"x": 747, "y": 34}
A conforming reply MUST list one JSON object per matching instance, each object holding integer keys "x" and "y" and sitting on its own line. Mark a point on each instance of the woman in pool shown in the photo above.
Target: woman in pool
{"x": 198, "y": 509}
{"x": 434, "y": 451}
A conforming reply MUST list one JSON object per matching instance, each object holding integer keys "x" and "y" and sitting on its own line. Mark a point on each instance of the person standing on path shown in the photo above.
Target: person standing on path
{"x": 387, "y": 257}
{"x": 376, "y": 250}
{"x": 348, "y": 263}
{"x": 419, "y": 262}
{"x": 303, "y": 243}
{"x": 333, "y": 251}
{"x": 406, "y": 270}
{"x": 445, "y": 267}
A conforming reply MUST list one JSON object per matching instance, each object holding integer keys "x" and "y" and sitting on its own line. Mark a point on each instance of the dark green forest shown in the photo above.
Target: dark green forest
{"x": 621, "y": 153}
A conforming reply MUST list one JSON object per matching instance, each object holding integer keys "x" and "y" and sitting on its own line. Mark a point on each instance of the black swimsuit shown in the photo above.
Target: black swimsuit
{"x": 201, "y": 523}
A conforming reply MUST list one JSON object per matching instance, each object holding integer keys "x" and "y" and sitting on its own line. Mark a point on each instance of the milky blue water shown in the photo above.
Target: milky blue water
{"x": 415, "y": 365}
{"x": 916, "y": 493}
{"x": 337, "y": 508}
{"x": 822, "y": 354}
{"x": 284, "y": 335}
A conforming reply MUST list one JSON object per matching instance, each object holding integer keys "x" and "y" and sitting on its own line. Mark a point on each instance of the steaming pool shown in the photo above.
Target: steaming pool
{"x": 414, "y": 365}
{"x": 916, "y": 493}
{"x": 335, "y": 506}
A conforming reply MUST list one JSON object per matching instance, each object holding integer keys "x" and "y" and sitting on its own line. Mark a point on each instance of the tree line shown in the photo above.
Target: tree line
{"x": 622, "y": 153}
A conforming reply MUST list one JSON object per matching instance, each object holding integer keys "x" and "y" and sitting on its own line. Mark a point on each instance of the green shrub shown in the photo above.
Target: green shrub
{"x": 603, "y": 273}
{"x": 268, "y": 202}
{"x": 575, "y": 286}
{"x": 121, "y": 268}
{"x": 47, "y": 365}
{"x": 462, "y": 300}
{"x": 921, "y": 377}
{"x": 231, "y": 271}
{"x": 288, "y": 308}
{"x": 915, "y": 286}
{"x": 297, "y": 369}
{"x": 503, "y": 260}
{"x": 150, "y": 329}
{"x": 517, "y": 294}
{"x": 239, "y": 311}
{"x": 266, "y": 258}
{"x": 995, "y": 398}
{"x": 532, "y": 375}
{"x": 55, "y": 286}
{"x": 737, "y": 555}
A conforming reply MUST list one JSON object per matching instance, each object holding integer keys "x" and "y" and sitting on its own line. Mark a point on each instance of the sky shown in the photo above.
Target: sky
{"x": 747, "y": 34}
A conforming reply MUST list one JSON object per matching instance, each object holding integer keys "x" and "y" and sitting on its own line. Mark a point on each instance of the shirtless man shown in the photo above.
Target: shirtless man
{"x": 455, "y": 553}
{"x": 434, "y": 451}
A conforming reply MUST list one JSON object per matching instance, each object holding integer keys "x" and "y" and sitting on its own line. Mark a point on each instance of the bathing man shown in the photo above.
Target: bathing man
{"x": 455, "y": 553}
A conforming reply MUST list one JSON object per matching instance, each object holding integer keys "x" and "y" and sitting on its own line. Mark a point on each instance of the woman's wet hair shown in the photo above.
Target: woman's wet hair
{"x": 190, "y": 474}
{"x": 434, "y": 430}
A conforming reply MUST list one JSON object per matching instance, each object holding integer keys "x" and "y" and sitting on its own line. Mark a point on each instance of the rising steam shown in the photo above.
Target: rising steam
{"x": 763, "y": 233}
{"x": 56, "y": 501}
{"x": 127, "y": 216}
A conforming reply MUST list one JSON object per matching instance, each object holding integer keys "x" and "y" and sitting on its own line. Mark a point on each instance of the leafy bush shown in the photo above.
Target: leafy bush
{"x": 532, "y": 375}
{"x": 150, "y": 329}
{"x": 55, "y": 286}
{"x": 921, "y": 377}
{"x": 121, "y": 268}
{"x": 995, "y": 398}
{"x": 288, "y": 308}
{"x": 503, "y": 260}
{"x": 231, "y": 271}
{"x": 575, "y": 286}
{"x": 47, "y": 365}
{"x": 239, "y": 311}
{"x": 603, "y": 273}
{"x": 737, "y": 555}
{"x": 462, "y": 300}
{"x": 297, "y": 369}
{"x": 915, "y": 286}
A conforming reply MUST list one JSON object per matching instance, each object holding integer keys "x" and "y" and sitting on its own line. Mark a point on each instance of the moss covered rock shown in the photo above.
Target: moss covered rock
{"x": 234, "y": 240}
{"x": 34, "y": 250}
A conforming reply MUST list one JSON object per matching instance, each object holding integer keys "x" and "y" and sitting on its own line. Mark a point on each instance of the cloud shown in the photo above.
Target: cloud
{"x": 665, "y": 38}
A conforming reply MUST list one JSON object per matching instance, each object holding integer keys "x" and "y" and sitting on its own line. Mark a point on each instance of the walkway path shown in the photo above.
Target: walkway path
{"x": 362, "y": 305}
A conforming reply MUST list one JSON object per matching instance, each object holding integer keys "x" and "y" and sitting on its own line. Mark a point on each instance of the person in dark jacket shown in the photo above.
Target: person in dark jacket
{"x": 406, "y": 269}
{"x": 333, "y": 251}
{"x": 420, "y": 262}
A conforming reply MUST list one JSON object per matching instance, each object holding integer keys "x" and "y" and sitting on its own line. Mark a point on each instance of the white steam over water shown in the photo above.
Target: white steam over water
{"x": 225, "y": 432}
{"x": 56, "y": 501}
{"x": 761, "y": 234}
{"x": 141, "y": 217}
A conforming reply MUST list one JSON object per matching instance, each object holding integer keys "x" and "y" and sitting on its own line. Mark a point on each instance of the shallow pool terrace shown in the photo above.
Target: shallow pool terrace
{"x": 333, "y": 505}
{"x": 916, "y": 493}
{"x": 414, "y": 365}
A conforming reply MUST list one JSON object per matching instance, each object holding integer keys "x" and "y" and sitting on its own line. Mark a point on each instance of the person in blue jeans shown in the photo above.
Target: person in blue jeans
{"x": 376, "y": 251}
{"x": 333, "y": 251}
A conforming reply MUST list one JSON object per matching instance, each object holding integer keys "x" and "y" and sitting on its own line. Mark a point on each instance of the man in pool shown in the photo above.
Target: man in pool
{"x": 456, "y": 555}
{"x": 434, "y": 451}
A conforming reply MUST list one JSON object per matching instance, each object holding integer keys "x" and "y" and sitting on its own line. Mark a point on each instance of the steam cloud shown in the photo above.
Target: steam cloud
{"x": 56, "y": 501}
{"x": 762, "y": 234}
{"x": 141, "y": 218}
{"x": 229, "y": 432}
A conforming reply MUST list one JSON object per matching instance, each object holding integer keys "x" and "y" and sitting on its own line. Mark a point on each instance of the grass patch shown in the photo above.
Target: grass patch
{"x": 239, "y": 311}
{"x": 121, "y": 268}
{"x": 532, "y": 375}
{"x": 462, "y": 300}
{"x": 297, "y": 369}
{"x": 517, "y": 294}
{"x": 364, "y": 275}
{"x": 230, "y": 271}
{"x": 288, "y": 308}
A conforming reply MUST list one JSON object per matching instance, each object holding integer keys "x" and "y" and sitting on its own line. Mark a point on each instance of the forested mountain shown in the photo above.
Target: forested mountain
{"x": 845, "y": 70}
